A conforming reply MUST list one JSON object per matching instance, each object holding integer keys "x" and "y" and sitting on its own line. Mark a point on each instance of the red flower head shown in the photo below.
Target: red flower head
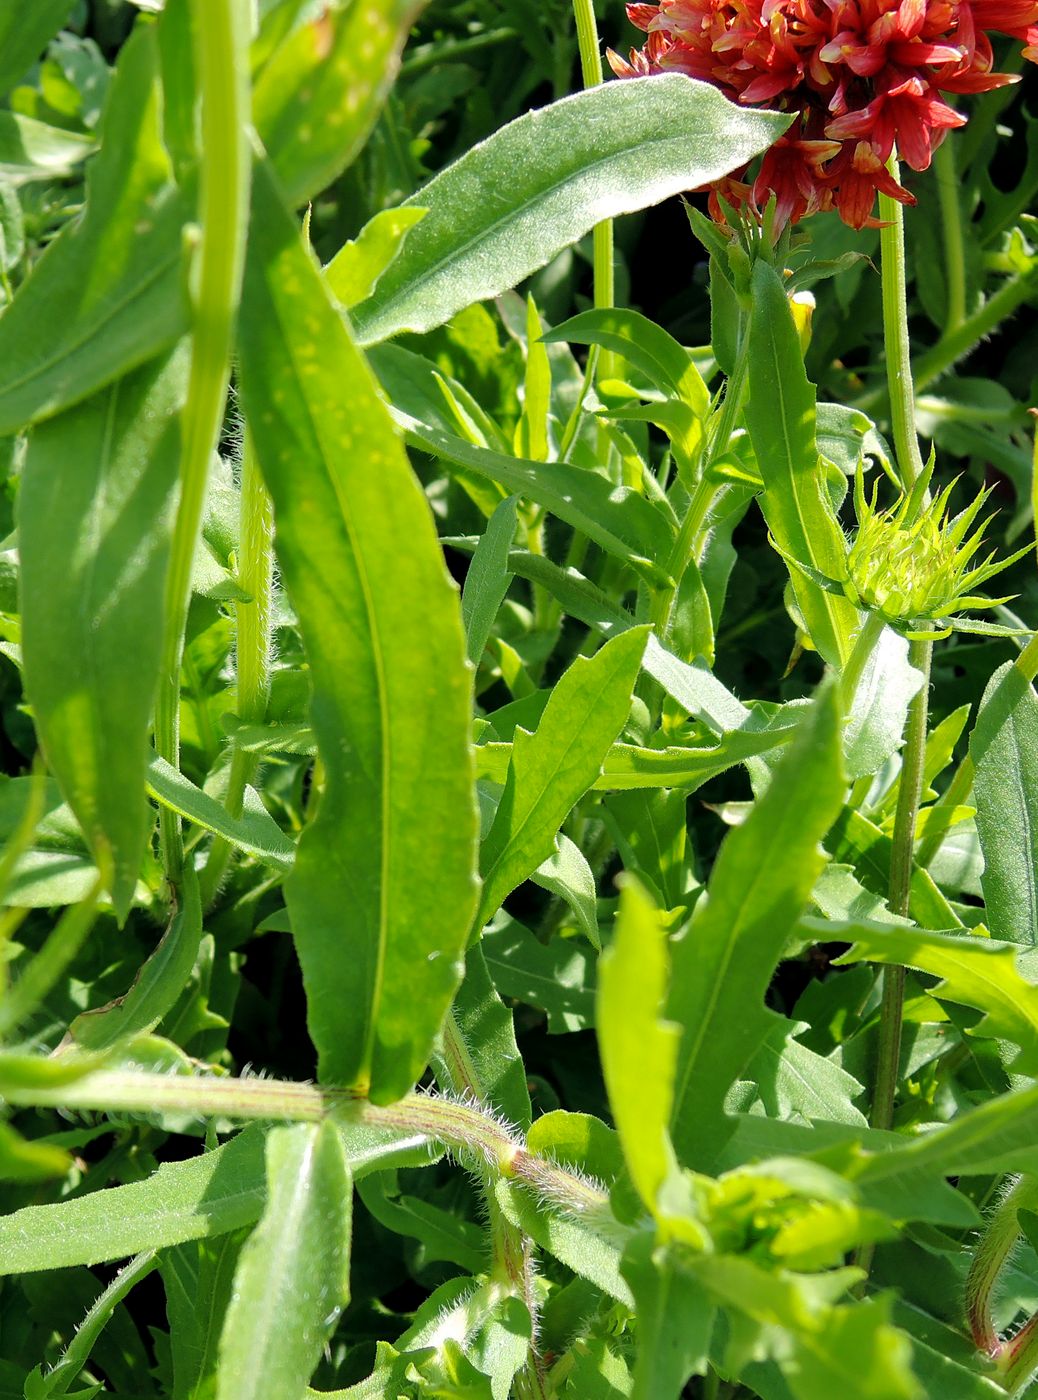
{"x": 863, "y": 76}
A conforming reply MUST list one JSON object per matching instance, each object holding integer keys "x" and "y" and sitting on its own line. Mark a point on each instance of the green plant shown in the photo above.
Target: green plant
{"x": 371, "y": 984}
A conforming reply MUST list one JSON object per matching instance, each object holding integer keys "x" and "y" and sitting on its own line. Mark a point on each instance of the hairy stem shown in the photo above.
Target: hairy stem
{"x": 957, "y": 343}
{"x": 901, "y": 862}
{"x": 221, "y": 38}
{"x": 953, "y": 346}
{"x": 990, "y": 1257}
{"x": 511, "y": 1252}
{"x": 467, "y": 1128}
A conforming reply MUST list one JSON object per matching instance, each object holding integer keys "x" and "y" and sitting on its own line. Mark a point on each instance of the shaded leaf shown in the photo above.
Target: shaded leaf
{"x": 974, "y": 971}
{"x": 24, "y": 34}
{"x": 31, "y": 150}
{"x": 107, "y": 294}
{"x": 488, "y": 1034}
{"x": 675, "y": 1320}
{"x": 557, "y": 979}
{"x": 255, "y": 831}
{"x": 486, "y": 582}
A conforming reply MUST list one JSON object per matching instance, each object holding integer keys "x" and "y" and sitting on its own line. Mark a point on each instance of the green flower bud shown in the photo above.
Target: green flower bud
{"x": 912, "y": 563}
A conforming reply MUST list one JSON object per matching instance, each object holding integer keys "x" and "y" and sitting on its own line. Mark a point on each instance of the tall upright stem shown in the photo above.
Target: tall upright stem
{"x": 902, "y": 408}
{"x": 221, "y": 37}
{"x": 900, "y": 888}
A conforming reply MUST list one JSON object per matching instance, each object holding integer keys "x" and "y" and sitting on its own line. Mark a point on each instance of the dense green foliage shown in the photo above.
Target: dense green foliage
{"x": 376, "y": 590}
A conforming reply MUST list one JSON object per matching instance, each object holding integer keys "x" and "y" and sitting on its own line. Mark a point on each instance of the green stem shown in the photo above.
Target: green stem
{"x": 428, "y": 56}
{"x": 254, "y": 629}
{"x": 602, "y": 238}
{"x": 663, "y": 600}
{"x": 707, "y": 488}
{"x": 910, "y": 464}
{"x": 900, "y": 888}
{"x": 511, "y": 1255}
{"x": 954, "y": 247}
{"x": 734, "y": 391}
{"x": 221, "y": 41}
{"x": 895, "y": 334}
{"x": 77, "y": 1353}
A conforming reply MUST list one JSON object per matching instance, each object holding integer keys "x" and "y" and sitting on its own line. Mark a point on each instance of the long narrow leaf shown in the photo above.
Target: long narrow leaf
{"x": 94, "y": 517}
{"x": 292, "y": 1279}
{"x": 723, "y": 963}
{"x": 383, "y": 889}
{"x": 1004, "y": 749}
{"x": 781, "y": 419}
{"x": 555, "y": 173}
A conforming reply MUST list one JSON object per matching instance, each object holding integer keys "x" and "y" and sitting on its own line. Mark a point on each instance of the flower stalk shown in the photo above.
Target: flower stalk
{"x": 910, "y": 465}
{"x": 895, "y": 336}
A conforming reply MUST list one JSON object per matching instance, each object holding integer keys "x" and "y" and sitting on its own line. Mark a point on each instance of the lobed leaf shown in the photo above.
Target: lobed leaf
{"x": 974, "y": 970}
{"x": 676, "y": 1317}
